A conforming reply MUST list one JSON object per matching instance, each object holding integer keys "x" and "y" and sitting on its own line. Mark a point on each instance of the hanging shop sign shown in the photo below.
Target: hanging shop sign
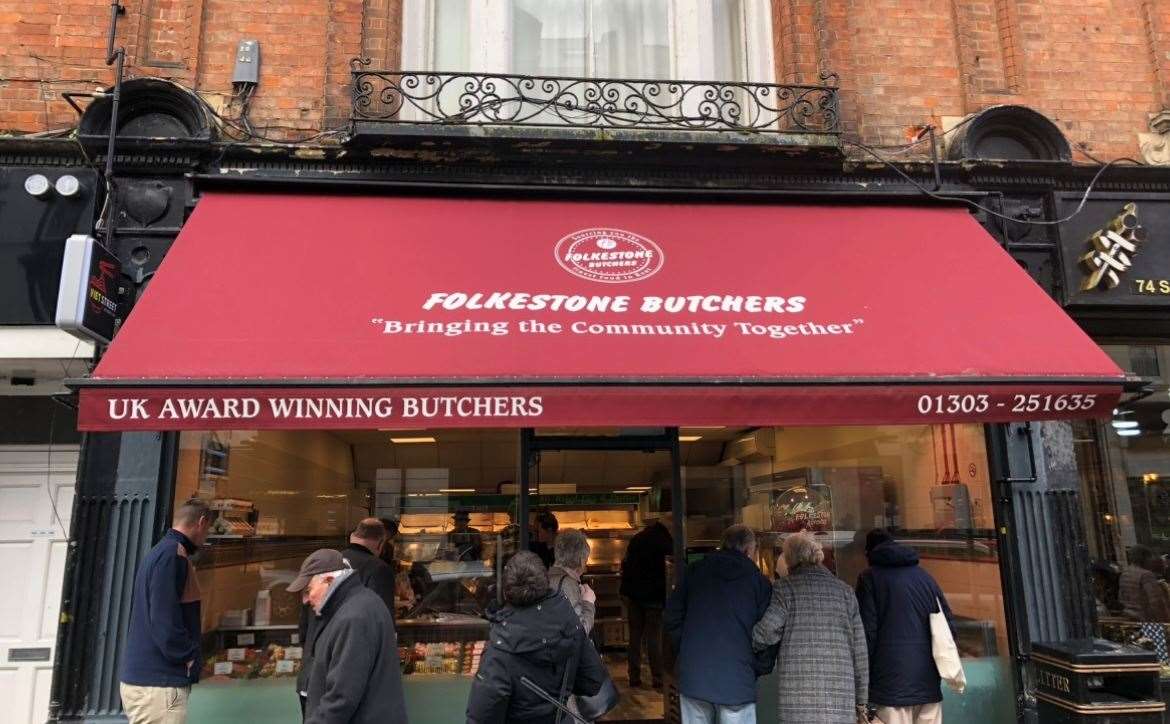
{"x": 87, "y": 299}
{"x": 1116, "y": 252}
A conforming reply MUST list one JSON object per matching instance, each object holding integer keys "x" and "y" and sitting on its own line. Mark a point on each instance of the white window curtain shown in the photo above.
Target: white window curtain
{"x": 718, "y": 40}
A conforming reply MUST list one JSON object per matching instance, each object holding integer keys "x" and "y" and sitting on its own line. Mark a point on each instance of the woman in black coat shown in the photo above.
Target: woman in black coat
{"x": 539, "y": 636}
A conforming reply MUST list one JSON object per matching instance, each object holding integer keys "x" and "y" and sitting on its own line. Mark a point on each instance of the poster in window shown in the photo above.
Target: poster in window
{"x": 213, "y": 463}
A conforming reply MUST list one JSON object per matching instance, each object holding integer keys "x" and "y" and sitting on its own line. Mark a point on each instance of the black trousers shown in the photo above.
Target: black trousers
{"x": 645, "y": 624}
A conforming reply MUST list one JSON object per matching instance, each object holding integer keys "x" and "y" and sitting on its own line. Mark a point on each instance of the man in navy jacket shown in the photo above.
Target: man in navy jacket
{"x": 896, "y": 598}
{"x": 709, "y": 618}
{"x": 162, "y": 656}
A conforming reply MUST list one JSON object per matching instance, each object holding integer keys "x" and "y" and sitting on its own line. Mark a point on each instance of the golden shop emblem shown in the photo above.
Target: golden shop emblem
{"x": 1112, "y": 250}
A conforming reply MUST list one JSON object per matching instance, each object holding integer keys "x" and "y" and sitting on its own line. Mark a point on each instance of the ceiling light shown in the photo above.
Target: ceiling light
{"x": 637, "y": 487}
{"x": 1128, "y": 432}
{"x": 689, "y": 438}
{"x": 456, "y": 490}
{"x": 705, "y": 427}
{"x": 411, "y": 440}
{"x": 1125, "y": 424}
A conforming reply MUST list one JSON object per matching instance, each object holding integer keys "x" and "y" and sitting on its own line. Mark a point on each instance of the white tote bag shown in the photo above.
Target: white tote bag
{"x": 946, "y": 654}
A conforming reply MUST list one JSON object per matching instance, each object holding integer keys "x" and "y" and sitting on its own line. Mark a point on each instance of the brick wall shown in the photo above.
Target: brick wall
{"x": 1098, "y": 68}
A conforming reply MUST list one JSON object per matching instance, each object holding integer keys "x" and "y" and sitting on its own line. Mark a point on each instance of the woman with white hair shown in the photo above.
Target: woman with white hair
{"x": 571, "y": 551}
{"x": 823, "y": 665}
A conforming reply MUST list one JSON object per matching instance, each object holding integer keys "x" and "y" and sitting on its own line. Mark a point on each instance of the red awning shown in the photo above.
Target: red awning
{"x": 285, "y": 311}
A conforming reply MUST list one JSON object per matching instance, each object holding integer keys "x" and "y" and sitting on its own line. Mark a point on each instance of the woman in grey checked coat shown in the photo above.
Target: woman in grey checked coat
{"x": 823, "y": 666}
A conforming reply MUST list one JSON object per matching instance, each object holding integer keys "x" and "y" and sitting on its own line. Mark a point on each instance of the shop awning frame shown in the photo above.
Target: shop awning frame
{"x": 864, "y": 320}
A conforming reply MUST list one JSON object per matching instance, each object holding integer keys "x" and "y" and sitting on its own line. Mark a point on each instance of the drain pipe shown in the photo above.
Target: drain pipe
{"x": 66, "y": 623}
{"x": 117, "y": 58}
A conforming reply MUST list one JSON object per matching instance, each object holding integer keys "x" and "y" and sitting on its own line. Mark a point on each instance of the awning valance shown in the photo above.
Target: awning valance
{"x": 348, "y": 312}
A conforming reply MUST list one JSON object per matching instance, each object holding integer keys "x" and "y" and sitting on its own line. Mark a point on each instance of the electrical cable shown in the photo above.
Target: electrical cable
{"x": 49, "y": 472}
{"x": 950, "y": 199}
{"x": 253, "y": 134}
{"x": 897, "y": 150}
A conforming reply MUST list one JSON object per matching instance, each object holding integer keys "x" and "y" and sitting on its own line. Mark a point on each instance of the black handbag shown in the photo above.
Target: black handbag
{"x": 603, "y": 702}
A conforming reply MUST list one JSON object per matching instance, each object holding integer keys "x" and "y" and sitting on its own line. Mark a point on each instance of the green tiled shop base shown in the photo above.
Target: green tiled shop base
{"x": 988, "y": 698}
{"x": 438, "y": 699}
{"x": 430, "y": 699}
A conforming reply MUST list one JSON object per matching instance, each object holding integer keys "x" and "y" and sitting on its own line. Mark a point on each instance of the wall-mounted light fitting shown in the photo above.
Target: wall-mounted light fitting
{"x": 37, "y": 186}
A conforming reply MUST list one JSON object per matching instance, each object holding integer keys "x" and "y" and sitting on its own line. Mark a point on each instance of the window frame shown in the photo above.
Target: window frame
{"x": 490, "y": 22}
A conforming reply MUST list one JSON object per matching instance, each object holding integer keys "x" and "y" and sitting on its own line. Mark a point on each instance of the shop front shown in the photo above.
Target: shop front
{"x": 471, "y": 367}
{"x": 1124, "y": 461}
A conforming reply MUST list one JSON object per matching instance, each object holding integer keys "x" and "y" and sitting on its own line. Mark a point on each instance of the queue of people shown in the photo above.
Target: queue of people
{"x": 842, "y": 655}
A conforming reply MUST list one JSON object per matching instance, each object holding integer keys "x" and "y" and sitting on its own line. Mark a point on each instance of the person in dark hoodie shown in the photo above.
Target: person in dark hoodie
{"x": 709, "y": 618}
{"x": 536, "y": 635}
{"x": 896, "y": 598}
{"x": 354, "y": 675}
{"x": 643, "y": 591}
{"x": 162, "y": 657}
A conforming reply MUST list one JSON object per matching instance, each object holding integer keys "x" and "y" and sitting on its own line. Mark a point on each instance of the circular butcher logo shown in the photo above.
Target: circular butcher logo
{"x": 611, "y": 256}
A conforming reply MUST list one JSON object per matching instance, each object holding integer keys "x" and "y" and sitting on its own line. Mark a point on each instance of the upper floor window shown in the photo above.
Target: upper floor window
{"x": 722, "y": 40}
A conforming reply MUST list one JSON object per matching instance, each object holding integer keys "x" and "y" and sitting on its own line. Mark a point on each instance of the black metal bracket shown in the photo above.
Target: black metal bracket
{"x": 70, "y": 95}
{"x": 1000, "y": 457}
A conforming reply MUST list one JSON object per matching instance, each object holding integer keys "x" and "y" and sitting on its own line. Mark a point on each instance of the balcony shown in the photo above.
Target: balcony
{"x": 425, "y": 104}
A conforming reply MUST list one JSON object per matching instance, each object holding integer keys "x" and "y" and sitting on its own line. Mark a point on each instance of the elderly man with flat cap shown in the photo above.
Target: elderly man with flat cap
{"x": 351, "y": 667}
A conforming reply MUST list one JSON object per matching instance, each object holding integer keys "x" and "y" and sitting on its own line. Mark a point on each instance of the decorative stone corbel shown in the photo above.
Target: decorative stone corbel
{"x": 1155, "y": 146}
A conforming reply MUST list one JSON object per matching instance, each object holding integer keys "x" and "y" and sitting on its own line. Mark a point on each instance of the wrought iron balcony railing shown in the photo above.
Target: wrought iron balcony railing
{"x": 496, "y": 99}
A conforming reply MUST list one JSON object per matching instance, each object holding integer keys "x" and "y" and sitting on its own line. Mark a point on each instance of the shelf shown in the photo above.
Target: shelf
{"x": 254, "y": 549}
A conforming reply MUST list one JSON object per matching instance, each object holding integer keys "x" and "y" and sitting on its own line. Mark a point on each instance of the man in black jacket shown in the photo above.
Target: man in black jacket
{"x": 365, "y": 543}
{"x": 643, "y": 590}
{"x": 354, "y": 676}
{"x": 896, "y": 598}
{"x": 709, "y": 618}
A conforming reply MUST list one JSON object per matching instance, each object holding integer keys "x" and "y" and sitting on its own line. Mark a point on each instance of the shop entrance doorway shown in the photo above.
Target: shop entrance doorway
{"x": 638, "y": 481}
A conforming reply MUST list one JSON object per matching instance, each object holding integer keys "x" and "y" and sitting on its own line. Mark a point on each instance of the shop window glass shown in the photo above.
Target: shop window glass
{"x": 453, "y": 494}
{"x": 1125, "y": 483}
{"x": 280, "y": 495}
{"x": 928, "y": 484}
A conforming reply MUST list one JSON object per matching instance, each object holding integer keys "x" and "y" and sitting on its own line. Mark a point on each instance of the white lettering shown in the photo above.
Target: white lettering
{"x": 280, "y": 406}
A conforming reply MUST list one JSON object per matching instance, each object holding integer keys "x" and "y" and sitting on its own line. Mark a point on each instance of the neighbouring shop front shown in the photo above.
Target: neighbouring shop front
{"x": 1124, "y": 461}
{"x": 605, "y": 361}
